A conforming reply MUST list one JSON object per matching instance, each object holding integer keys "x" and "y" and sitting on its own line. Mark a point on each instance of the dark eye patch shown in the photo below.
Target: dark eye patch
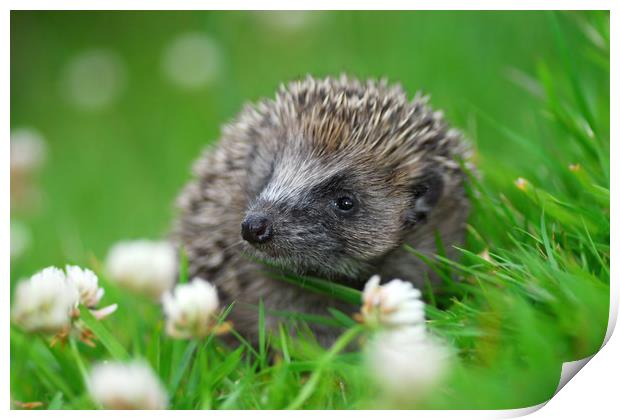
{"x": 330, "y": 186}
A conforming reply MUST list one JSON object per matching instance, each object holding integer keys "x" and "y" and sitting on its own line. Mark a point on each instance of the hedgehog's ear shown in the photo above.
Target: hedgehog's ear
{"x": 425, "y": 193}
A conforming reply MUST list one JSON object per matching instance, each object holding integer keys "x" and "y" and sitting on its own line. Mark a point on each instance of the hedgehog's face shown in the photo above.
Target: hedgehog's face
{"x": 329, "y": 219}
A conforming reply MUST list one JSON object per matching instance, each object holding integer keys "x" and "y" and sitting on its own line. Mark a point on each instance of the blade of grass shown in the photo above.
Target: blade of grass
{"x": 545, "y": 237}
{"x": 182, "y": 367}
{"x": 572, "y": 71}
{"x": 310, "y": 318}
{"x": 116, "y": 350}
{"x": 56, "y": 402}
{"x": 284, "y": 344}
{"x": 44, "y": 369}
{"x": 342, "y": 318}
{"x": 594, "y": 250}
{"x": 338, "y": 291}
{"x": 78, "y": 360}
{"x": 262, "y": 334}
{"x": 245, "y": 343}
{"x": 231, "y": 399}
{"x": 336, "y": 348}
{"x": 225, "y": 368}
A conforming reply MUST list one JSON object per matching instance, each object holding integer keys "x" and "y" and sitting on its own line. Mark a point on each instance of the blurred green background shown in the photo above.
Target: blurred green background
{"x": 126, "y": 100}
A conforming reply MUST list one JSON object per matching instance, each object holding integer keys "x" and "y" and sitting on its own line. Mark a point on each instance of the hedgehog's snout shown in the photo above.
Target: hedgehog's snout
{"x": 257, "y": 228}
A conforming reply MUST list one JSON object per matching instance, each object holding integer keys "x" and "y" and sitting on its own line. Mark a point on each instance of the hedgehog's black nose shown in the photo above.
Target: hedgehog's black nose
{"x": 256, "y": 228}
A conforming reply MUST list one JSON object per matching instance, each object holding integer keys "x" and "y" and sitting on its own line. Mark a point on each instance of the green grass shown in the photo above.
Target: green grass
{"x": 542, "y": 297}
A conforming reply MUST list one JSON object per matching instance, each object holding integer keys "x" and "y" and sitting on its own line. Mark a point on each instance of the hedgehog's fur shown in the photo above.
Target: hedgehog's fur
{"x": 290, "y": 157}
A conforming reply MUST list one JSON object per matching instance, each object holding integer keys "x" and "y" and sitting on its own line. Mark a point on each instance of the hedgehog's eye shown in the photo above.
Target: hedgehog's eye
{"x": 345, "y": 204}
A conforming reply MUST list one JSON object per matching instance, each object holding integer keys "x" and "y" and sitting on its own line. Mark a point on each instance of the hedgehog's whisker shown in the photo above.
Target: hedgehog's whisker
{"x": 233, "y": 245}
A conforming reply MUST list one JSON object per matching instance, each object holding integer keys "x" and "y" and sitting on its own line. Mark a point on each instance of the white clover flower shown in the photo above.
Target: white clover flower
{"x": 45, "y": 302}
{"x": 192, "y": 60}
{"x": 288, "y": 21}
{"x": 522, "y": 183}
{"x": 147, "y": 267}
{"x": 94, "y": 79}
{"x": 394, "y": 304}
{"x": 126, "y": 386}
{"x": 191, "y": 309}
{"x": 28, "y": 149}
{"x": 407, "y": 362}
{"x": 20, "y": 239}
{"x": 48, "y": 301}
{"x": 403, "y": 358}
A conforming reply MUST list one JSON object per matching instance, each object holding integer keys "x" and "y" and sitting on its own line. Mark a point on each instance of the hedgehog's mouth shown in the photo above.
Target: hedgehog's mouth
{"x": 278, "y": 259}
{"x": 269, "y": 251}
{"x": 334, "y": 267}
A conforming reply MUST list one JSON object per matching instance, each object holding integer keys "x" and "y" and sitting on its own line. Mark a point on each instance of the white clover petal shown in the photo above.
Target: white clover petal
{"x": 190, "y": 309}
{"x": 397, "y": 292}
{"x": 133, "y": 385}
{"x": 87, "y": 284}
{"x": 44, "y": 302}
{"x": 372, "y": 284}
{"x": 104, "y": 312}
{"x": 147, "y": 267}
{"x": 406, "y": 317}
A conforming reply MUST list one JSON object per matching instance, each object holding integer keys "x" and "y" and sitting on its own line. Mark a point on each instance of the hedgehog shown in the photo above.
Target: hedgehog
{"x": 329, "y": 179}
